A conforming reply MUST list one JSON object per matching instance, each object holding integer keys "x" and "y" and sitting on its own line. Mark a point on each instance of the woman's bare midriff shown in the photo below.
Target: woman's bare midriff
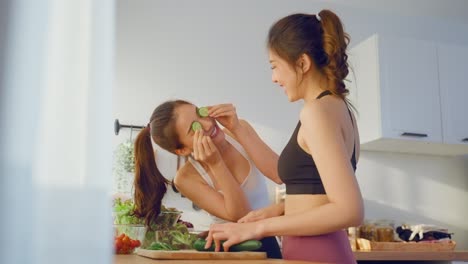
{"x": 299, "y": 203}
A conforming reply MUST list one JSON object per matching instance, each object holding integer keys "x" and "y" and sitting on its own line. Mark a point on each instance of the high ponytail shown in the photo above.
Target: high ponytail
{"x": 335, "y": 41}
{"x": 150, "y": 185}
{"x": 321, "y": 37}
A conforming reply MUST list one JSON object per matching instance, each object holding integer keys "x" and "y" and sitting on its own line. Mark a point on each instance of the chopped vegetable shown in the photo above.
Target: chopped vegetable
{"x": 196, "y": 126}
{"x": 161, "y": 246}
{"x": 187, "y": 224}
{"x": 202, "y": 111}
{"x": 177, "y": 237}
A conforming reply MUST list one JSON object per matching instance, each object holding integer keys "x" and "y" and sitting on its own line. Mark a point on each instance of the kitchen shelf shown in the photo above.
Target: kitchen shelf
{"x": 412, "y": 255}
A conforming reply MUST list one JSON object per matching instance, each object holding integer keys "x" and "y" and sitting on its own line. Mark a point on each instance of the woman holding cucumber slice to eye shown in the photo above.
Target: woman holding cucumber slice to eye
{"x": 308, "y": 58}
{"x": 223, "y": 176}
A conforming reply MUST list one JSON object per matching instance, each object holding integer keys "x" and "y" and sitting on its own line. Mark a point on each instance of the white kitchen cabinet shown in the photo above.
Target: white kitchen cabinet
{"x": 453, "y": 73}
{"x": 395, "y": 88}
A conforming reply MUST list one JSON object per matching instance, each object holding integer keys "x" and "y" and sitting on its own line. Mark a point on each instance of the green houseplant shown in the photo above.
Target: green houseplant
{"x": 124, "y": 167}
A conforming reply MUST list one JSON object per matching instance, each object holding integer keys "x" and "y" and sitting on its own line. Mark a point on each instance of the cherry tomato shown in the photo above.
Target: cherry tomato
{"x": 133, "y": 243}
{"x": 118, "y": 244}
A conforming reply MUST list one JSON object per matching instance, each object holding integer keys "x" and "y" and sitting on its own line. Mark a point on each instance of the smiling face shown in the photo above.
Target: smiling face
{"x": 285, "y": 76}
{"x": 185, "y": 115}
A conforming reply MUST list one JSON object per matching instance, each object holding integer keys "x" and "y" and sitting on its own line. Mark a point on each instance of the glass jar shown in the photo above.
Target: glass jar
{"x": 352, "y": 237}
{"x": 367, "y": 231}
{"x": 353, "y": 232}
{"x": 384, "y": 230}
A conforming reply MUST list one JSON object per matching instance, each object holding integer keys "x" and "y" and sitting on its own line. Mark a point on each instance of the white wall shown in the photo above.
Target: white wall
{"x": 416, "y": 189}
{"x": 214, "y": 51}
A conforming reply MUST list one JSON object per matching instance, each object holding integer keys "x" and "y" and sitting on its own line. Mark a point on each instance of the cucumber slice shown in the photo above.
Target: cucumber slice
{"x": 202, "y": 111}
{"x": 196, "y": 126}
{"x": 248, "y": 245}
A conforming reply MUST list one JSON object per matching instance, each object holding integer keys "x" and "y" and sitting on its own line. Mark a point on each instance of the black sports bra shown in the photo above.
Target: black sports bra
{"x": 297, "y": 169}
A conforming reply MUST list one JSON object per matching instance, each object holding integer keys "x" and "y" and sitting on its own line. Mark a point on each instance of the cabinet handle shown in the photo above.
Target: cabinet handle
{"x": 410, "y": 134}
{"x": 465, "y": 140}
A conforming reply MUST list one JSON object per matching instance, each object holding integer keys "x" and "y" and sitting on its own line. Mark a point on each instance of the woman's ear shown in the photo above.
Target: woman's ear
{"x": 183, "y": 151}
{"x": 304, "y": 63}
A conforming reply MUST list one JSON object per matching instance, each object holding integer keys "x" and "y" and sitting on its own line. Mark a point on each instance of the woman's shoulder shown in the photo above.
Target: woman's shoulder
{"x": 320, "y": 115}
{"x": 313, "y": 111}
{"x": 186, "y": 172}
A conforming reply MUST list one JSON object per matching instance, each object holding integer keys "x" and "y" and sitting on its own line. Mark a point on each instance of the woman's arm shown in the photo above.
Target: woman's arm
{"x": 263, "y": 213}
{"x": 262, "y": 155}
{"x": 231, "y": 205}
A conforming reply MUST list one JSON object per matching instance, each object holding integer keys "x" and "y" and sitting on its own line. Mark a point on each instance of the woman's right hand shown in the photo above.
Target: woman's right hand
{"x": 228, "y": 234}
{"x": 204, "y": 149}
{"x": 266, "y": 212}
{"x": 226, "y": 115}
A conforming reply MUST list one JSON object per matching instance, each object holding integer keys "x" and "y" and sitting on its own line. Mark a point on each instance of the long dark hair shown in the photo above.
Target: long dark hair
{"x": 323, "y": 40}
{"x": 150, "y": 185}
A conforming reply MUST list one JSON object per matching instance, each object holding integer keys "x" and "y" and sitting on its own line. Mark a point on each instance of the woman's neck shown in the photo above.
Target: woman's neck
{"x": 314, "y": 86}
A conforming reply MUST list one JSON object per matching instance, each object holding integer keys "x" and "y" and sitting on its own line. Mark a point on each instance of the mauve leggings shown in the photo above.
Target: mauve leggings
{"x": 329, "y": 248}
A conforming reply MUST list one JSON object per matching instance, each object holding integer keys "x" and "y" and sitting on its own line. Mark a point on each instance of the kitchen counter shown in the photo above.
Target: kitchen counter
{"x": 361, "y": 256}
{"x": 135, "y": 259}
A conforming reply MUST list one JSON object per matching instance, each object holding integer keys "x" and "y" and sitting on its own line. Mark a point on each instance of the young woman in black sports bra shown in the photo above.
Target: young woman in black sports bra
{"x": 309, "y": 62}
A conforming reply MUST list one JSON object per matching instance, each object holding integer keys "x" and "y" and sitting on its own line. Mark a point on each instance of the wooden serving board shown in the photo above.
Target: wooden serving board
{"x": 193, "y": 254}
{"x": 413, "y": 246}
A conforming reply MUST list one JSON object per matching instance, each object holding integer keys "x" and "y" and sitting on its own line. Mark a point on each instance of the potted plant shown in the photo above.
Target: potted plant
{"x": 124, "y": 167}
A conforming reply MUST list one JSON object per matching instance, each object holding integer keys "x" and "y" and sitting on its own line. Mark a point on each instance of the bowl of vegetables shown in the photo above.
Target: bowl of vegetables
{"x": 128, "y": 237}
{"x": 123, "y": 215}
{"x": 172, "y": 238}
{"x": 165, "y": 229}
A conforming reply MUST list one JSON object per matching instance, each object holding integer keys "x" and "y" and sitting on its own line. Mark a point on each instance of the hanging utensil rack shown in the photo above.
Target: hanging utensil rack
{"x": 118, "y": 126}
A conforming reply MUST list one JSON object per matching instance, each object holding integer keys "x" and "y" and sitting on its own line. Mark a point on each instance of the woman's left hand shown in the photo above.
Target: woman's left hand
{"x": 262, "y": 213}
{"x": 225, "y": 114}
{"x": 232, "y": 234}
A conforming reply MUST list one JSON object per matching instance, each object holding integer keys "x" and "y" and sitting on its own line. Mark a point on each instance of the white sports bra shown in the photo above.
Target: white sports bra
{"x": 254, "y": 185}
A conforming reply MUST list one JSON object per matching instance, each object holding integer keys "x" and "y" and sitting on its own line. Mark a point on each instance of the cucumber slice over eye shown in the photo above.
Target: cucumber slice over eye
{"x": 196, "y": 126}
{"x": 202, "y": 111}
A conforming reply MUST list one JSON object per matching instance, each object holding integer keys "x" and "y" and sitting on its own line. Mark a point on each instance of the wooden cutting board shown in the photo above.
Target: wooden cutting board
{"x": 193, "y": 254}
